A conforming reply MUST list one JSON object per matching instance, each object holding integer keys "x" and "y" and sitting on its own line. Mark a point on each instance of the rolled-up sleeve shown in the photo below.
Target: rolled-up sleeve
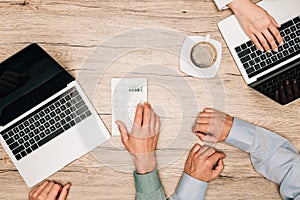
{"x": 222, "y": 4}
{"x": 148, "y": 186}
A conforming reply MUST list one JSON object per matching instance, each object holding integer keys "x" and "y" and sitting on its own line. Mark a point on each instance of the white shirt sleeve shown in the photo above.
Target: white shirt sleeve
{"x": 222, "y": 4}
{"x": 271, "y": 155}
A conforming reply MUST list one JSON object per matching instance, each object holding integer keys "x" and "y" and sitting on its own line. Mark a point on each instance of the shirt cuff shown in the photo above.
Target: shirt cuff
{"x": 241, "y": 135}
{"x": 222, "y": 4}
{"x": 190, "y": 188}
{"x": 147, "y": 183}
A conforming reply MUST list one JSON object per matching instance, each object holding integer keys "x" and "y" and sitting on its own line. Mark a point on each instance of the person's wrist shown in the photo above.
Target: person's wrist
{"x": 144, "y": 163}
{"x": 237, "y": 5}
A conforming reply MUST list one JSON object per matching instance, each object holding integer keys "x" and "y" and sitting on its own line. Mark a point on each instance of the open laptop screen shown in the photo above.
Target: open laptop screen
{"x": 26, "y": 79}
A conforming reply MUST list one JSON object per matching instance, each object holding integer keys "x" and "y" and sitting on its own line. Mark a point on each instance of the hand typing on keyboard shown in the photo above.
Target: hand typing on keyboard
{"x": 50, "y": 191}
{"x": 10, "y": 81}
{"x": 287, "y": 92}
{"x": 258, "y": 24}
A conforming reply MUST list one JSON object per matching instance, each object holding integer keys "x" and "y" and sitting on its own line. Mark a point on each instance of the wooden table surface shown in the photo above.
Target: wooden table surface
{"x": 85, "y": 36}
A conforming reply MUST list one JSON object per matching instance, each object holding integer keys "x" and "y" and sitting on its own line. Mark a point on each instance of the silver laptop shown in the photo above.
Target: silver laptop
{"x": 46, "y": 120}
{"x": 265, "y": 72}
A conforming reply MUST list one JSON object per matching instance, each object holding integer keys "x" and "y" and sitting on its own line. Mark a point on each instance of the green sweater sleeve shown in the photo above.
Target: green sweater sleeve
{"x": 148, "y": 186}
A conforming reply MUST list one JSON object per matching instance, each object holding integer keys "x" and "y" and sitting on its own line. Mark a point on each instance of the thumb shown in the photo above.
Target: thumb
{"x": 218, "y": 169}
{"x": 123, "y": 130}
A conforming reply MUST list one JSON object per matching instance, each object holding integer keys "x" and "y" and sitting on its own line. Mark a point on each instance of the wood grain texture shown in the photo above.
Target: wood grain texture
{"x": 72, "y": 30}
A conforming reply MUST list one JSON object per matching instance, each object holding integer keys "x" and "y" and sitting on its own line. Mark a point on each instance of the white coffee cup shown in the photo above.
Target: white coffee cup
{"x": 200, "y": 56}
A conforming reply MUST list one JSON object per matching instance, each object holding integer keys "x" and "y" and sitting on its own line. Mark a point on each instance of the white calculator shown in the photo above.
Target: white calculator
{"x": 126, "y": 93}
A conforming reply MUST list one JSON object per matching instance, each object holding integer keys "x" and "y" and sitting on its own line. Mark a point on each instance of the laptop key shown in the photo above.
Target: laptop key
{"x": 238, "y": 49}
{"x": 51, "y": 136}
{"x": 10, "y": 141}
{"x": 77, "y": 120}
{"x": 18, "y": 150}
{"x": 26, "y": 144}
{"x": 13, "y": 145}
{"x": 88, "y": 113}
{"x": 31, "y": 141}
{"x": 10, "y": 133}
{"x": 34, "y": 147}
{"x": 250, "y": 70}
{"x": 28, "y": 150}
{"x": 18, "y": 157}
{"x": 296, "y": 20}
{"x": 5, "y": 136}
{"x": 43, "y": 134}
{"x": 245, "y": 59}
{"x": 21, "y": 141}
{"x": 241, "y": 55}
{"x": 23, "y": 153}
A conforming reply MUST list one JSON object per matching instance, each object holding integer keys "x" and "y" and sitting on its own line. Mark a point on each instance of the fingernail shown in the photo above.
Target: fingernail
{"x": 276, "y": 50}
{"x": 278, "y": 25}
{"x": 262, "y": 50}
{"x": 281, "y": 43}
{"x": 269, "y": 51}
{"x": 295, "y": 81}
{"x": 287, "y": 82}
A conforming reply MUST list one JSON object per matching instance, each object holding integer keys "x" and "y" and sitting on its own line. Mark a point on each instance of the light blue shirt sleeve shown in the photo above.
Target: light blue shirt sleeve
{"x": 271, "y": 155}
{"x": 149, "y": 187}
{"x": 189, "y": 188}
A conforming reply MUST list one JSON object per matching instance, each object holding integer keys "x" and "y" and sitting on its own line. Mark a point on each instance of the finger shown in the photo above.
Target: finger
{"x": 274, "y": 21}
{"x": 64, "y": 192}
{"x": 204, "y": 152}
{"x": 200, "y": 128}
{"x": 35, "y": 192}
{"x": 270, "y": 40}
{"x": 289, "y": 91}
{"x": 157, "y": 124}
{"x": 263, "y": 41}
{"x": 213, "y": 158}
{"x": 11, "y": 74}
{"x": 296, "y": 89}
{"x": 43, "y": 194}
{"x": 138, "y": 118}
{"x": 147, "y": 115}
{"x": 189, "y": 160}
{"x": 256, "y": 42}
{"x": 194, "y": 150}
{"x": 202, "y": 136}
{"x": 123, "y": 131}
{"x": 276, "y": 96}
{"x": 275, "y": 32}
{"x": 210, "y": 110}
{"x": 11, "y": 80}
{"x": 282, "y": 94}
{"x": 55, "y": 190}
{"x": 152, "y": 121}
{"x": 8, "y": 85}
{"x": 203, "y": 120}
{"x": 218, "y": 169}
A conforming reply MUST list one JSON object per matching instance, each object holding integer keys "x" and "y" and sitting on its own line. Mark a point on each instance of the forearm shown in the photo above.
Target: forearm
{"x": 271, "y": 155}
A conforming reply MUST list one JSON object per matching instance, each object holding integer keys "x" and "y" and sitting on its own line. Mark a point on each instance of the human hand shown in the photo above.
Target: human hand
{"x": 142, "y": 141}
{"x": 10, "y": 81}
{"x": 49, "y": 190}
{"x": 287, "y": 92}
{"x": 260, "y": 27}
{"x": 204, "y": 163}
{"x": 213, "y": 125}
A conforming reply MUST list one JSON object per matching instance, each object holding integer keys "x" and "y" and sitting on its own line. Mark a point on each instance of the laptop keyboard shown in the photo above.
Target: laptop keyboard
{"x": 46, "y": 123}
{"x": 269, "y": 87}
{"x": 255, "y": 61}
